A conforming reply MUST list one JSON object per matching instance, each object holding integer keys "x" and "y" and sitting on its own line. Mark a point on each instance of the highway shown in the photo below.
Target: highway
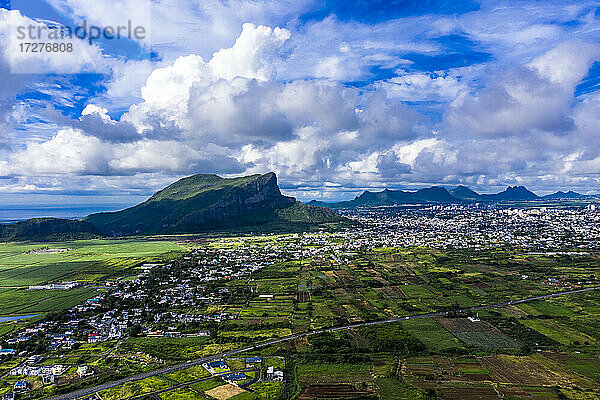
{"x": 177, "y": 367}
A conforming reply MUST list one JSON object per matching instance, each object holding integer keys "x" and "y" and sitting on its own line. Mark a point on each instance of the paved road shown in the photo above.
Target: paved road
{"x": 178, "y": 367}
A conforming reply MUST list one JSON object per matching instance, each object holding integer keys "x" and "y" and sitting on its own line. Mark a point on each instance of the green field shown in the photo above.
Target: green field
{"x": 546, "y": 308}
{"x": 181, "y": 394}
{"x": 132, "y": 389}
{"x": 23, "y": 301}
{"x": 431, "y": 334}
{"x": 86, "y": 260}
{"x": 391, "y": 388}
{"x": 448, "y": 356}
{"x": 335, "y": 372}
{"x": 175, "y": 349}
{"x": 586, "y": 367}
{"x": 557, "y": 331}
{"x": 187, "y": 375}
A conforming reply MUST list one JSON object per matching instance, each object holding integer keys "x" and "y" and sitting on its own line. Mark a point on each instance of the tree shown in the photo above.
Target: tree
{"x": 134, "y": 330}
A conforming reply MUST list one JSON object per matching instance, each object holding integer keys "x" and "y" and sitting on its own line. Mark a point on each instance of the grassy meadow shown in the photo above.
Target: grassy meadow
{"x": 86, "y": 261}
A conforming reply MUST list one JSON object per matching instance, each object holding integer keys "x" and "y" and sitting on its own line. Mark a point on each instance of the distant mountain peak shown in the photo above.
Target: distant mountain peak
{"x": 565, "y": 195}
{"x": 511, "y": 193}
{"x": 433, "y": 195}
{"x": 519, "y": 188}
{"x": 465, "y": 193}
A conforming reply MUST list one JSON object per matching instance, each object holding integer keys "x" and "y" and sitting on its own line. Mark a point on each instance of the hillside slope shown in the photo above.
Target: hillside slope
{"x": 202, "y": 203}
{"x": 47, "y": 229}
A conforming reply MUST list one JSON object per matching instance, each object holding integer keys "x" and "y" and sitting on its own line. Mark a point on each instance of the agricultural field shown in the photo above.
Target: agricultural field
{"x": 225, "y": 392}
{"x": 84, "y": 261}
{"x": 208, "y": 302}
{"x": 23, "y": 301}
{"x": 534, "y": 370}
{"x": 432, "y": 335}
{"x": 477, "y": 333}
{"x": 174, "y": 349}
{"x": 459, "y": 354}
{"x": 558, "y": 332}
{"x": 517, "y": 376}
{"x": 22, "y": 265}
{"x": 133, "y": 389}
{"x": 335, "y": 380}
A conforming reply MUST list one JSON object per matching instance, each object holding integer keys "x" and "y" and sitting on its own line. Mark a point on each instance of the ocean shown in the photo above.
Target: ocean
{"x": 15, "y": 213}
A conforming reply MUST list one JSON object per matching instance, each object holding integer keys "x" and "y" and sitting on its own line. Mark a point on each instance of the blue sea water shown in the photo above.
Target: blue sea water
{"x": 16, "y": 213}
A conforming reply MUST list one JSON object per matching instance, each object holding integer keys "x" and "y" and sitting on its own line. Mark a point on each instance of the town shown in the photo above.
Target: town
{"x": 220, "y": 294}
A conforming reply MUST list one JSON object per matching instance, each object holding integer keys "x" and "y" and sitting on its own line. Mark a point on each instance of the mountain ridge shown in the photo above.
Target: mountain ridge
{"x": 209, "y": 203}
{"x": 203, "y": 203}
{"x": 440, "y": 195}
{"x": 194, "y": 204}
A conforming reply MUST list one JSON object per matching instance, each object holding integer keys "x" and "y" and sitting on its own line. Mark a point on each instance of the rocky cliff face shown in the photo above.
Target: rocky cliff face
{"x": 262, "y": 194}
{"x": 200, "y": 203}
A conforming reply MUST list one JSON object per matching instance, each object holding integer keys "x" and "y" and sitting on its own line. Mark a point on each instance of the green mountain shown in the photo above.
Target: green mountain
{"x": 512, "y": 193}
{"x": 464, "y": 193}
{"x": 48, "y": 229}
{"x": 566, "y": 195}
{"x": 431, "y": 195}
{"x": 434, "y": 195}
{"x": 203, "y": 203}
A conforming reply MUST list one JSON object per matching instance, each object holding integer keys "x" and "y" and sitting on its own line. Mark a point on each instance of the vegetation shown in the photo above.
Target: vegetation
{"x": 540, "y": 349}
{"x": 47, "y": 229}
{"x": 202, "y": 203}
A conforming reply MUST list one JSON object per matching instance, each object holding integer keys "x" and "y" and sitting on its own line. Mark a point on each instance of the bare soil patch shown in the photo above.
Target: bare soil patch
{"x": 224, "y": 392}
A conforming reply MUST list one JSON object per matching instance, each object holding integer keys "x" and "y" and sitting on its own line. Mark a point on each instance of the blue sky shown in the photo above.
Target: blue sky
{"x": 334, "y": 96}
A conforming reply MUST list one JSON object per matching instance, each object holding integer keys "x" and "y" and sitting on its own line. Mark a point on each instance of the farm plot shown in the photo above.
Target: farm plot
{"x": 22, "y": 265}
{"x": 187, "y": 375}
{"x": 22, "y": 301}
{"x": 416, "y": 291}
{"x": 534, "y": 370}
{"x": 333, "y": 391}
{"x": 461, "y": 300}
{"x": 527, "y": 377}
{"x": 175, "y": 349}
{"x": 224, "y": 392}
{"x": 525, "y": 335}
{"x": 345, "y": 277}
{"x": 545, "y": 308}
{"x": 586, "y": 367}
{"x": 268, "y": 308}
{"x": 464, "y": 369}
{"x": 312, "y": 374}
{"x": 471, "y": 391}
{"x": 391, "y": 388}
{"x": 181, "y": 394}
{"x": 477, "y": 333}
{"x": 557, "y": 331}
{"x": 132, "y": 389}
{"x": 256, "y": 334}
{"x": 393, "y": 292}
{"x": 302, "y": 296}
{"x": 431, "y": 334}
{"x": 276, "y": 286}
{"x": 263, "y": 391}
{"x": 325, "y": 381}
{"x": 528, "y": 392}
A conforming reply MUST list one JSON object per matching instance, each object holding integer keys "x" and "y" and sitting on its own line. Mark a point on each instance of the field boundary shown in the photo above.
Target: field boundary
{"x": 178, "y": 367}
